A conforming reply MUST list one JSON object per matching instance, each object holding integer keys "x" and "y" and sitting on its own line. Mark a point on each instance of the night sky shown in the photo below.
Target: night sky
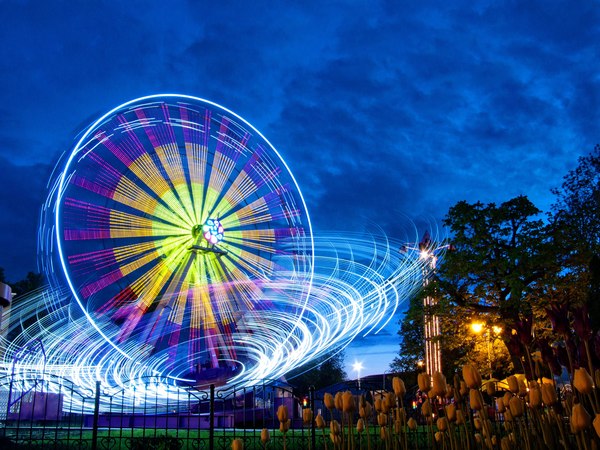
{"x": 384, "y": 111}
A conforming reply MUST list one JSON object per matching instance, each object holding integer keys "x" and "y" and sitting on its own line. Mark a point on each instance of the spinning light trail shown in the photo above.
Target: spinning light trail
{"x": 189, "y": 258}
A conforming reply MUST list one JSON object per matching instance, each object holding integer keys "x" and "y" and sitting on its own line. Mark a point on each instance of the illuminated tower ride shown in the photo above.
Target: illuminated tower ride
{"x": 428, "y": 254}
{"x": 431, "y": 322}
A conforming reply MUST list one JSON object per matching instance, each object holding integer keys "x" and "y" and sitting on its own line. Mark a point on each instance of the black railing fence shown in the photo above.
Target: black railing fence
{"x": 54, "y": 413}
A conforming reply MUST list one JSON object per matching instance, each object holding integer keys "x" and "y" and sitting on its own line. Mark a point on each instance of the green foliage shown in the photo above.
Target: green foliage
{"x": 412, "y": 345}
{"x": 575, "y": 220}
{"x": 502, "y": 252}
{"x": 576, "y": 212}
{"x": 325, "y": 371}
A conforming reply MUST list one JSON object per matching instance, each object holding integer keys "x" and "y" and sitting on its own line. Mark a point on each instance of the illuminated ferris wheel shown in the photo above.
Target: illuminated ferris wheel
{"x": 175, "y": 220}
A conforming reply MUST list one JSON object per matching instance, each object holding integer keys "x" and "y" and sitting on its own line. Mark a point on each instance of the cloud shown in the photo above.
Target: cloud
{"x": 380, "y": 109}
{"x": 23, "y": 186}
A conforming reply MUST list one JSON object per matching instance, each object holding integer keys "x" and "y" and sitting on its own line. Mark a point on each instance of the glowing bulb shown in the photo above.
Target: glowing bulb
{"x": 477, "y": 327}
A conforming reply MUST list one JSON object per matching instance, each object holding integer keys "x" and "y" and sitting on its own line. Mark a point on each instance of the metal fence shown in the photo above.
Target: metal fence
{"x": 54, "y": 413}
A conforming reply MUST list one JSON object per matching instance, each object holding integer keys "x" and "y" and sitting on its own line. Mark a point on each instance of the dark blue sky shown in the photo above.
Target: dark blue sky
{"x": 383, "y": 110}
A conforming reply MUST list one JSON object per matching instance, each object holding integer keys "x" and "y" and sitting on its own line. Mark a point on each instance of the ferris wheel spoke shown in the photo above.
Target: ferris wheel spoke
{"x": 258, "y": 171}
{"x": 172, "y": 164}
{"x": 269, "y": 208}
{"x": 131, "y": 154}
{"x": 252, "y": 264}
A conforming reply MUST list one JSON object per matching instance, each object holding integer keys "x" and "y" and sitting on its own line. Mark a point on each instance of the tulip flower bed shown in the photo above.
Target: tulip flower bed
{"x": 468, "y": 413}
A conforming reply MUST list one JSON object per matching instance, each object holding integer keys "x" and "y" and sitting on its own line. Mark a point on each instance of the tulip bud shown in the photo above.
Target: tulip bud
{"x": 319, "y": 422}
{"x": 264, "y": 436}
{"x": 424, "y": 381}
{"x": 475, "y": 400}
{"x": 442, "y": 424}
{"x": 596, "y": 424}
{"x": 398, "y": 386}
{"x": 426, "y": 408}
{"x": 580, "y": 419}
{"x": 307, "y": 416}
{"x": 365, "y": 411}
{"x": 348, "y": 404}
{"x": 378, "y": 404}
{"x": 464, "y": 389}
{"x": 513, "y": 384}
{"x": 382, "y": 419}
{"x": 460, "y": 417}
{"x": 334, "y": 427}
{"x": 583, "y": 381}
{"x": 336, "y": 439}
{"x": 490, "y": 388}
{"x": 438, "y": 388}
{"x": 360, "y": 425}
{"x": 549, "y": 395}
{"x": 506, "y": 398}
{"x": 522, "y": 388}
{"x": 382, "y": 433}
{"x": 284, "y": 426}
{"x": 516, "y": 406}
{"x": 477, "y": 423}
{"x": 535, "y": 397}
{"x": 500, "y": 405}
{"x": 282, "y": 413}
{"x": 451, "y": 412}
{"x": 471, "y": 376}
{"x": 389, "y": 402}
{"x": 478, "y": 438}
{"x": 412, "y": 424}
{"x": 237, "y": 444}
{"x": 329, "y": 402}
{"x": 438, "y": 436}
{"x": 337, "y": 400}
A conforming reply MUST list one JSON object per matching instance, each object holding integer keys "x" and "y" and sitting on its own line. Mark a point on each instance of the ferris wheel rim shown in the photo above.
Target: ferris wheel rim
{"x": 75, "y": 153}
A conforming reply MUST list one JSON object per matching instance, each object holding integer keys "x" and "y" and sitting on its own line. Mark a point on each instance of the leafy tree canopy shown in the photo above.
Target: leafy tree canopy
{"x": 325, "y": 371}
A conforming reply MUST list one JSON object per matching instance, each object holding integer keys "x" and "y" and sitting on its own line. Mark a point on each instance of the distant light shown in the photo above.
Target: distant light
{"x": 477, "y": 327}
{"x": 357, "y": 366}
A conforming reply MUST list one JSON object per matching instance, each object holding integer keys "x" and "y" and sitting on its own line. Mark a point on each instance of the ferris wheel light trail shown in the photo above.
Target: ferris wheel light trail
{"x": 355, "y": 289}
{"x": 187, "y": 258}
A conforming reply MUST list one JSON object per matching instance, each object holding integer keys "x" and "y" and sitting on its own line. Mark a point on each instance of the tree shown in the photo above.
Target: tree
{"x": 504, "y": 259}
{"x": 576, "y": 225}
{"x": 576, "y": 211}
{"x": 325, "y": 371}
{"x": 31, "y": 282}
{"x": 412, "y": 344}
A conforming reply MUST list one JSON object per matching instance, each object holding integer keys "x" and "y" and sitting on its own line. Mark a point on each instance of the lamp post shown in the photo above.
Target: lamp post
{"x": 357, "y": 367}
{"x": 478, "y": 328}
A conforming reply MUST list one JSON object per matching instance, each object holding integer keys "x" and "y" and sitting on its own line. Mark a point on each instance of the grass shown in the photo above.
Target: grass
{"x": 177, "y": 439}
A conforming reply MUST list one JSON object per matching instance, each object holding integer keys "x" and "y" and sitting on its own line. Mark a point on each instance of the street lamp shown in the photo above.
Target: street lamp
{"x": 357, "y": 367}
{"x": 478, "y": 328}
